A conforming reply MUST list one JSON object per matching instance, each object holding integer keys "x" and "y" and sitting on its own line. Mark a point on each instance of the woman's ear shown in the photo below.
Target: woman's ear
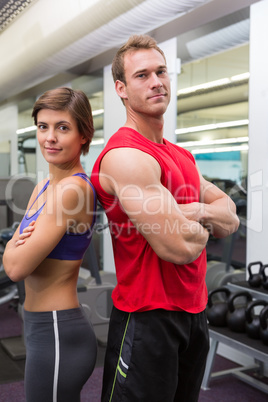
{"x": 83, "y": 139}
{"x": 120, "y": 88}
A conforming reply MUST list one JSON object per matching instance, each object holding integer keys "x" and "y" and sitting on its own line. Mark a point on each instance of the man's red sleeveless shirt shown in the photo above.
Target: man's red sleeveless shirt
{"x": 145, "y": 281}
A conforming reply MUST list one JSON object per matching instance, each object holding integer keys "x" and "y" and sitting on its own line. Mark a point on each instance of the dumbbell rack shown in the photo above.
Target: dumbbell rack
{"x": 241, "y": 342}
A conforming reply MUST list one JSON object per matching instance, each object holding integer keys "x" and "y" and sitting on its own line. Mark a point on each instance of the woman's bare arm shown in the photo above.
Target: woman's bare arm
{"x": 24, "y": 254}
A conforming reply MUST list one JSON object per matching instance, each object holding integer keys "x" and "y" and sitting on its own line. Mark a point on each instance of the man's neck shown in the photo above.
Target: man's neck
{"x": 149, "y": 127}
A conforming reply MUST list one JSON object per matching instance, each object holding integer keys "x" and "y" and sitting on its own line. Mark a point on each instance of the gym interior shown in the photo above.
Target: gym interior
{"x": 218, "y": 67}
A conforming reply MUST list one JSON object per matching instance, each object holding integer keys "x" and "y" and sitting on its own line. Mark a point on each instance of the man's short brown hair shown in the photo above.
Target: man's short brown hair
{"x": 134, "y": 43}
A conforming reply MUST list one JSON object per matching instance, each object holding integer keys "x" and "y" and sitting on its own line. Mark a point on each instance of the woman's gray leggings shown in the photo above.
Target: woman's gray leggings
{"x": 61, "y": 350}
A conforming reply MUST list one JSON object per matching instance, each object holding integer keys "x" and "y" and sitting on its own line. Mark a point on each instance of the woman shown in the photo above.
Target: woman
{"x": 47, "y": 249}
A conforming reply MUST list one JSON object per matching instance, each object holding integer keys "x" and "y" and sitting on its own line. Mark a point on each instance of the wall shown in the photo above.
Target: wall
{"x": 257, "y": 233}
{"x": 257, "y": 219}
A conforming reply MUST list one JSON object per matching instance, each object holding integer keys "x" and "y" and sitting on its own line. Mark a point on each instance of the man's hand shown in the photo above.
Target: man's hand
{"x": 193, "y": 211}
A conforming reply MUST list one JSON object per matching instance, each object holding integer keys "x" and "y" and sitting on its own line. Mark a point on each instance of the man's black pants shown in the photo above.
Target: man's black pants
{"x": 155, "y": 356}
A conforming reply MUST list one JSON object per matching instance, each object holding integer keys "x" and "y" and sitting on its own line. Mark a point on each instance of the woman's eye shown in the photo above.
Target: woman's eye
{"x": 41, "y": 126}
{"x": 63, "y": 128}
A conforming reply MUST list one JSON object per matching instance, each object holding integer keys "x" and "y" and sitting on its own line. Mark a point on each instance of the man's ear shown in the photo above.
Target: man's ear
{"x": 120, "y": 88}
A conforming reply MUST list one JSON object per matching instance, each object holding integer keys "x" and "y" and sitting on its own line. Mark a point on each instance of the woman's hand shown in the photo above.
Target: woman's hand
{"x": 25, "y": 234}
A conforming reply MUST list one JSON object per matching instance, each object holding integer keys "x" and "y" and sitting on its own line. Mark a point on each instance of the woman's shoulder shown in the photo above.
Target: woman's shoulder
{"x": 74, "y": 190}
{"x": 76, "y": 181}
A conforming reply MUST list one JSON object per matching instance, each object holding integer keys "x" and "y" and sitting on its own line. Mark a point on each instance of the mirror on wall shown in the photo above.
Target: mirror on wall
{"x": 212, "y": 123}
{"x": 212, "y": 119}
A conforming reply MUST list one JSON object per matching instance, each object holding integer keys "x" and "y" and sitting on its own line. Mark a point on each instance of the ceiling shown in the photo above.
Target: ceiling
{"x": 10, "y": 10}
{"x": 212, "y": 43}
{"x": 57, "y": 46}
{"x": 76, "y": 38}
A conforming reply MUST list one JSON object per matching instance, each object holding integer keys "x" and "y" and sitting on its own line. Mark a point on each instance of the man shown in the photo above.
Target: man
{"x": 160, "y": 210}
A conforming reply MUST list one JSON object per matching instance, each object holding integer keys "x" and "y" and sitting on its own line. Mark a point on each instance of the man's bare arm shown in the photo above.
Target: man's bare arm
{"x": 216, "y": 210}
{"x": 134, "y": 177}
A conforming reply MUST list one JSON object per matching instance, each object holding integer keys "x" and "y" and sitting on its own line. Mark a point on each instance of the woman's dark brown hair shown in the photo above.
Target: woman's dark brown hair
{"x": 73, "y": 101}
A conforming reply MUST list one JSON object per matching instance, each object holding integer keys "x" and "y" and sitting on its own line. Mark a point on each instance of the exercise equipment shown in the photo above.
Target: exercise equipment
{"x": 253, "y": 320}
{"x": 94, "y": 293}
{"x": 236, "y": 317}
{"x": 264, "y": 325}
{"x": 255, "y": 279}
{"x": 11, "y": 292}
{"x": 264, "y": 276}
{"x": 217, "y": 310}
{"x": 223, "y": 270}
{"x": 8, "y": 289}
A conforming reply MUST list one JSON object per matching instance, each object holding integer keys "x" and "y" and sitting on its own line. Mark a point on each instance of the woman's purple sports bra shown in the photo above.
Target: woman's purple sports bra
{"x": 72, "y": 246}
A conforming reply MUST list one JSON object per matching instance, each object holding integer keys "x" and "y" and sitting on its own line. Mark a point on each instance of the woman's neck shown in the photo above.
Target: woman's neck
{"x": 57, "y": 173}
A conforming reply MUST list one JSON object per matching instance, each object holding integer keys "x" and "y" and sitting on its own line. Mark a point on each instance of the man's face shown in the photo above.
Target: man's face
{"x": 147, "y": 88}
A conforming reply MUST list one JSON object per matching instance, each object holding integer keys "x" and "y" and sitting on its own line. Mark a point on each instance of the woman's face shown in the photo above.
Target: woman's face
{"x": 58, "y": 136}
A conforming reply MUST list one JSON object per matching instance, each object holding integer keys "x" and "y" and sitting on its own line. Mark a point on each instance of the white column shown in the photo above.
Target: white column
{"x": 114, "y": 110}
{"x": 8, "y": 128}
{"x": 257, "y": 219}
{"x": 114, "y": 118}
{"x": 169, "y": 47}
{"x": 42, "y": 169}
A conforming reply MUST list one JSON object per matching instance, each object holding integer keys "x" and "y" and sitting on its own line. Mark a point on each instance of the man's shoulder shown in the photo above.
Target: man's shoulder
{"x": 122, "y": 135}
{"x": 125, "y": 137}
{"x": 180, "y": 150}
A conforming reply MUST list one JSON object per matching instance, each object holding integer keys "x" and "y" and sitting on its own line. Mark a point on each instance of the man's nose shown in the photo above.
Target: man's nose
{"x": 155, "y": 81}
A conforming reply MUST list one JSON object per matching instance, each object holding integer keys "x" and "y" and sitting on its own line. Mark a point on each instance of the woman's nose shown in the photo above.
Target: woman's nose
{"x": 51, "y": 135}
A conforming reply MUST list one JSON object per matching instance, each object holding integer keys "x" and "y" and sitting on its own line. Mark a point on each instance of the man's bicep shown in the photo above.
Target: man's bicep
{"x": 125, "y": 170}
